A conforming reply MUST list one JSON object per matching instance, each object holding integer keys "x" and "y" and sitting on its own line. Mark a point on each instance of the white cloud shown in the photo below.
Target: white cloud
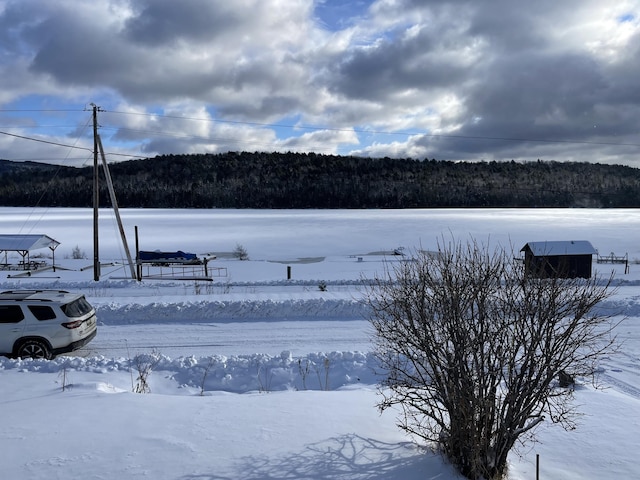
{"x": 539, "y": 71}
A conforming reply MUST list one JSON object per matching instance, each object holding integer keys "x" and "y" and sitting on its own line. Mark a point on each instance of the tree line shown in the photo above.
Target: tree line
{"x": 309, "y": 180}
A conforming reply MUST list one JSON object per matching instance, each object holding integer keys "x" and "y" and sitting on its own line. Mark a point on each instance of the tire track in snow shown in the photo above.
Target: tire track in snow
{"x": 232, "y": 311}
{"x": 620, "y": 385}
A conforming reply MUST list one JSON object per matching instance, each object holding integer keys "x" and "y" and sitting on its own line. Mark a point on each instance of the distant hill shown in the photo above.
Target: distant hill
{"x": 299, "y": 180}
{"x": 10, "y": 167}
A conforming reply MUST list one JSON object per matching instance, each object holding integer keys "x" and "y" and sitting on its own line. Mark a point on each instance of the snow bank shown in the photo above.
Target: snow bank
{"x": 227, "y": 311}
{"x": 236, "y": 374}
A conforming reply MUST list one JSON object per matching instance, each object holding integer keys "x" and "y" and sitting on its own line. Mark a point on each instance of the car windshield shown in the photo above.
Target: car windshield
{"x": 77, "y": 308}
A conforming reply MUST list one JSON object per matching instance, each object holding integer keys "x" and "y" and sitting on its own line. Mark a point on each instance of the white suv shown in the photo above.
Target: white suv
{"x": 44, "y": 323}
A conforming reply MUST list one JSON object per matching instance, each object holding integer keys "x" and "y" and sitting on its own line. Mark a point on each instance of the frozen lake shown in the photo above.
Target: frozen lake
{"x": 290, "y": 234}
{"x": 254, "y": 308}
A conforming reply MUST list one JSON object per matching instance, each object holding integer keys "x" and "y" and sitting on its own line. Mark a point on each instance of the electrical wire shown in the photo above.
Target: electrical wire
{"x": 58, "y": 144}
{"x": 375, "y": 132}
{"x": 23, "y": 137}
{"x": 55, "y": 174}
{"x": 278, "y": 125}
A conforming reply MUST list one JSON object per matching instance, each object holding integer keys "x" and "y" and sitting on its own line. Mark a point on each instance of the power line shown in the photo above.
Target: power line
{"x": 375, "y": 132}
{"x": 534, "y": 140}
{"x": 313, "y": 128}
{"x": 217, "y": 140}
{"x": 40, "y": 110}
{"x": 45, "y": 141}
{"x": 58, "y": 144}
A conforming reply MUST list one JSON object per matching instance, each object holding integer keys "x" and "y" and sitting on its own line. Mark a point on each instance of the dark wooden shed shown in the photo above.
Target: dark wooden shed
{"x": 563, "y": 259}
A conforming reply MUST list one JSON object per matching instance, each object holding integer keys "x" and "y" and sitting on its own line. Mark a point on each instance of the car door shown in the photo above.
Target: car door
{"x": 12, "y": 322}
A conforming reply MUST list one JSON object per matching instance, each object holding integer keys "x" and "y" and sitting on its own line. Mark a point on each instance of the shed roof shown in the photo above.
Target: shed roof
{"x": 20, "y": 243}
{"x": 561, "y": 247}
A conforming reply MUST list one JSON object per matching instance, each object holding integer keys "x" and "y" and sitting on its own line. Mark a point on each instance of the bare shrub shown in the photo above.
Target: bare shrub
{"x": 471, "y": 349}
{"x": 265, "y": 377}
{"x": 303, "y": 370}
{"x": 326, "y": 365}
{"x": 144, "y": 364}
{"x": 205, "y": 373}
{"x": 64, "y": 377}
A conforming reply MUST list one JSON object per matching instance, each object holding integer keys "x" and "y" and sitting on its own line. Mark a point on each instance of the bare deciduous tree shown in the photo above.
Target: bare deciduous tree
{"x": 240, "y": 252}
{"x": 472, "y": 349}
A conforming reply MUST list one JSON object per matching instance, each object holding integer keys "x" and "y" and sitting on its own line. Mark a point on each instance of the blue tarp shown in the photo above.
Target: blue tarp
{"x": 167, "y": 257}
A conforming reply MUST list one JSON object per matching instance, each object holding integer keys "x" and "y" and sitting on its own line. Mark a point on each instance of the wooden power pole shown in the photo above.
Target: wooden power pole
{"x": 96, "y": 196}
{"x": 97, "y": 147}
{"x": 116, "y": 210}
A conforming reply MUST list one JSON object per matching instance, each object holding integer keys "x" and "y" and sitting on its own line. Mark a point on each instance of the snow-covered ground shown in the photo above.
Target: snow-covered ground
{"x": 258, "y": 375}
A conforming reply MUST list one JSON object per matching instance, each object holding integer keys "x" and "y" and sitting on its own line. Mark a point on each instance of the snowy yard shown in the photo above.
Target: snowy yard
{"x": 261, "y": 376}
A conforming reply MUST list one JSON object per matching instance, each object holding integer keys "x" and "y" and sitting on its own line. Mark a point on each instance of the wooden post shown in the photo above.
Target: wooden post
{"x": 53, "y": 257}
{"x": 138, "y": 264}
{"x": 537, "y": 466}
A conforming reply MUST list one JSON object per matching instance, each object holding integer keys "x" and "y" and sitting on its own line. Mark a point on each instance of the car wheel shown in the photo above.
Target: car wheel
{"x": 34, "y": 349}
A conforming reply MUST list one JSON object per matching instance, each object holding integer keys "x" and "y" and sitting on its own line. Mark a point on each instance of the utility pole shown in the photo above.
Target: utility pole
{"x": 116, "y": 210}
{"x": 97, "y": 148}
{"x": 96, "y": 196}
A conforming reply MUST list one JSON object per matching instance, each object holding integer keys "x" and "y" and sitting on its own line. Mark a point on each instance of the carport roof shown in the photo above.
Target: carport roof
{"x": 25, "y": 243}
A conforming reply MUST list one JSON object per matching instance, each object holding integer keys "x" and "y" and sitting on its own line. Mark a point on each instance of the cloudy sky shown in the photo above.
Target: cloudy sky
{"x": 450, "y": 80}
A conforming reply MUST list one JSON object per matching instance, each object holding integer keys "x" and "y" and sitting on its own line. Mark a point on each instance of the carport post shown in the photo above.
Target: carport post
{"x": 53, "y": 257}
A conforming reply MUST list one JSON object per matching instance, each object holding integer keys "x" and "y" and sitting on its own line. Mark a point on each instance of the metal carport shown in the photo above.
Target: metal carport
{"x": 23, "y": 244}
